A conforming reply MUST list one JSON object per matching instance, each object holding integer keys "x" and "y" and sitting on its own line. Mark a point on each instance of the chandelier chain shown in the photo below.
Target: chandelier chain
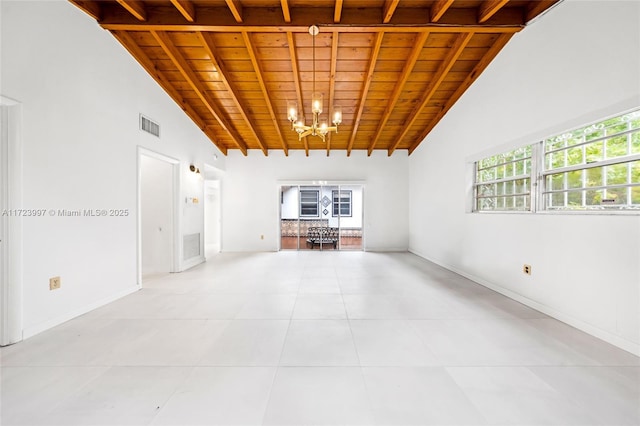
{"x": 317, "y": 127}
{"x": 314, "y": 61}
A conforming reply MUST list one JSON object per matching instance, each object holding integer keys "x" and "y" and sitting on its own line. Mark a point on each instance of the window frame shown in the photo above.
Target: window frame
{"x": 309, "y": 203}
{"x": 540, "y": 171}
{"x": 340, "y": 203}
{"x": 514, "y": 178}
{"x": 585, "y": 165}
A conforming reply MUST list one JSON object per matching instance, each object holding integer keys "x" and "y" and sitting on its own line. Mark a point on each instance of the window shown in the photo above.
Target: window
{"x": 591, "y": 168}
{"x": 341, "y": 203}
{"x": 596, "y": 167}
{"x": 503, "y": 181}
{"x": 309, "y": 203}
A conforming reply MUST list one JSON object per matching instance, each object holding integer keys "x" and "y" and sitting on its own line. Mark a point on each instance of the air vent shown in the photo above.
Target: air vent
{"x": 149, "y": 126}
{"x": 191, "y": 246}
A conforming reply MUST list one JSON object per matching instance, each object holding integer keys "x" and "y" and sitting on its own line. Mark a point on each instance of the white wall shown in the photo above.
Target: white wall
{"x": 355, "y": 220}
{"x": 578, "y": 63}
{"x": 290, "y": 206}
{"x": 325, "y": 191}
{"x": 251, "y": 194}
{"x": 81, "y": 94}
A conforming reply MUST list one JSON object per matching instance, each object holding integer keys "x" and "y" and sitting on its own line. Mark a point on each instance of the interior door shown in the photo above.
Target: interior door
{"x": 11, "y": 288}
{"x": 4, "y": 218}
{"x": 156, "y": 208}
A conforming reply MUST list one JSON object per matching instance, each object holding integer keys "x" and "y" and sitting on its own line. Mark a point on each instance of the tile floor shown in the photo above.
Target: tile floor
{"x": 296, "y": 338}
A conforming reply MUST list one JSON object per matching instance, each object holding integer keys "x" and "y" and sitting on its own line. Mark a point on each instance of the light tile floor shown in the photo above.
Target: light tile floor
{"x": 295, "y": 338}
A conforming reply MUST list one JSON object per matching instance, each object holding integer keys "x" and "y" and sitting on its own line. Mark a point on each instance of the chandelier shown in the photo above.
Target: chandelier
{"x": 317, "y": 127}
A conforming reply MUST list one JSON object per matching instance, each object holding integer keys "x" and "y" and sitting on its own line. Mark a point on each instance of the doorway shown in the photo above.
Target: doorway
{"x": 157, "y": 215}
{"x": 11, "y": 222}
{"x": 212, "y": 222}
{"x": 321, "y": 217}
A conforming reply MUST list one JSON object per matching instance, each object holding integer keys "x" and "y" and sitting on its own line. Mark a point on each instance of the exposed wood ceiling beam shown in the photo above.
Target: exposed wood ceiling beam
{"x": 337, "y": 14}
{"x": 236, "y": 9}
{"x": 490, "y": 8}
{"x": 332, "y": 82}
{"x": 475, "y": 29}
{"x": 189, "y": 75}
{"x": 389, "y": 9}
{"x": 286, "y": 13}
{"x": 421, "y": 39}
{"x": 296, "y": 79}
{"x": 537, "y": 7}
{"x": 454, "y": 53}
{"x": 365, "y": 89}
{"x": 438, "y": 9}
{"x": 253, "y": 54}
{"x": 89, "y": 7}
{"x": 502, "y": 40}
{"x": 135, "y": 7}
{"x": 233, "y": 91}
{"x": 271, "y": 20}
{"x": 186, "y": 8}
{"x": 232, "y": 65}
{"x": 127, "y": 41}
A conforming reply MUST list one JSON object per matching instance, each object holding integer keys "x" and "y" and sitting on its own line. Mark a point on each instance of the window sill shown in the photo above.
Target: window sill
{"x": 565, "y": 212}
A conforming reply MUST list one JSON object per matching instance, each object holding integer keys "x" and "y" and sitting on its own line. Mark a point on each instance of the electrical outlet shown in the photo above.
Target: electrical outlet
{"x": 262, "y": 237}
{"x": 54, "y": 283}
{"x": 526, "y": 269}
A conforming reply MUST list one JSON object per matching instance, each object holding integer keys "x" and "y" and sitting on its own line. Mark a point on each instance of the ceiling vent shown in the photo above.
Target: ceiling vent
{"x": 149, "y": 126}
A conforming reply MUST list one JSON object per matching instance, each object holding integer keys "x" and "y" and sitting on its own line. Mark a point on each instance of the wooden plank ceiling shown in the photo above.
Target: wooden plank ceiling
{"x": 394, "y": 66}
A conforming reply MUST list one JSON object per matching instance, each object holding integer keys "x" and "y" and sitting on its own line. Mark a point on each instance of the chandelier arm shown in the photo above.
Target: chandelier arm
{"x": 305, "y": 133}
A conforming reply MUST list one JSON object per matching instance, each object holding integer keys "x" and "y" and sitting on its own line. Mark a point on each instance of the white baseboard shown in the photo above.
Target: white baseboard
{"x": 44, "y": 326}
{"x": 195, "y": 261}
{"x": 601, "y": 334}
{"x": 386, "y": 249}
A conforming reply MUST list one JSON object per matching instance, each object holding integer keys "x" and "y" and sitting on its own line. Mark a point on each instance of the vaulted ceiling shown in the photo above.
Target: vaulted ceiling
{"x": 394, "y": 66}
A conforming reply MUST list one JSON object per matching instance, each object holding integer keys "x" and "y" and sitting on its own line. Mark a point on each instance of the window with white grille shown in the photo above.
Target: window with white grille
{"x": 595, "y": 167}
{"x": 503, "y": 181}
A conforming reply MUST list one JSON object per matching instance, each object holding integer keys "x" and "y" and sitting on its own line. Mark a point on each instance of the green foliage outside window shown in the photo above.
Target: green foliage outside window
{"x": 504, "y": 181}
{"x": 595, "y": 167}
{"x": 586, "y": 185}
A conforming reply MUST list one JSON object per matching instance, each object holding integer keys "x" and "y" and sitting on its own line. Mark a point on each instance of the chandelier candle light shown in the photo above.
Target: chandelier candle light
{"x": 317, "y": 128}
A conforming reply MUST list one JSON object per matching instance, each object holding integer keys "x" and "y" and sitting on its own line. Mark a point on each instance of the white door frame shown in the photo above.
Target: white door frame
{"x": 175, "y": 240}
{"x": 11, "y": 301}
{"x": 209, "y": 184}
